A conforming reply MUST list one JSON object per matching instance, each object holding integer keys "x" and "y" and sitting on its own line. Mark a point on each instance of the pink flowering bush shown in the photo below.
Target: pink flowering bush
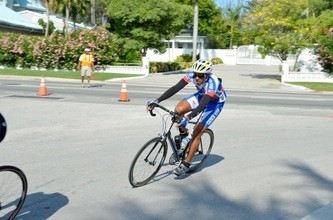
{"x": 16, "y": 50}
{"x": 57, "y": 51}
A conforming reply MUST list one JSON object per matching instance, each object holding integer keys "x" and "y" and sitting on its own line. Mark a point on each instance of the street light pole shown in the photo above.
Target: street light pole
{"x": 195, "y": 30}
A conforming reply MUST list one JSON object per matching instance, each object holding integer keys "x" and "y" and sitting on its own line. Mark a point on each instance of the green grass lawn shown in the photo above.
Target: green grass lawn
{"x": 316, "y": 86}
{"x": 62, "y": 74}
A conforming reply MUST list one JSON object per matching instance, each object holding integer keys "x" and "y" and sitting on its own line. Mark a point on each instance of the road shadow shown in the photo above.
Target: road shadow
{"x": 41, "y": 206}
{"x": 208, "y": 202}
{"x": 211, "y": 160}
{"x": 96, "y": 85}
{"x": 263, "y": 76}
{"x": 314, "y": 178}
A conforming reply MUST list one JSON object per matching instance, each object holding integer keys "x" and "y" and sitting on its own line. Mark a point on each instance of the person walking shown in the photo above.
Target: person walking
{"x": 209, "y": 98}
{"x": 86, "y": 64}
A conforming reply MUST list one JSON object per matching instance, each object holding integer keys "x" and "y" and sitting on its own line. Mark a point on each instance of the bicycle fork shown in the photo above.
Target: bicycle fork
{"x": 153, "y": 162}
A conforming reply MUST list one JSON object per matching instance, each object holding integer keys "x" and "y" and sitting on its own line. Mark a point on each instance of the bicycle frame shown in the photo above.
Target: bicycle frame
{"x": 166, "y": 133}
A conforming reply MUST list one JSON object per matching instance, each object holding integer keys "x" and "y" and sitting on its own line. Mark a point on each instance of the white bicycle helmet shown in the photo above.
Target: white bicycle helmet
{"x": 203, "y": 66}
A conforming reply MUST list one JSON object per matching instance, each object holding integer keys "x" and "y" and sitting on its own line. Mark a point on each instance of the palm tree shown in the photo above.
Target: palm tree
{"x": 71, "y": 8}
{"x": 48, "y": 5}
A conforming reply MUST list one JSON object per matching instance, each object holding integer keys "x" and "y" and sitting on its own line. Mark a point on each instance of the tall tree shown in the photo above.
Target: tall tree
{"x": 212, "y": 24}
{"x": 71, "y": 9}
{"x": 233, "y": 17}
{"x": 49, "y": 4}
{"x": 280, "y": 26}
{"x": 144, "y": 24}
{"x": 287, "y": 27}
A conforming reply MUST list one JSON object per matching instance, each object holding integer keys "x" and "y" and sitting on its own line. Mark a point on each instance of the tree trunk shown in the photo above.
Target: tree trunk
{"x": 47, "y": 19}
{"x": 66, "y": 21}
{"x": 93, "y": 14}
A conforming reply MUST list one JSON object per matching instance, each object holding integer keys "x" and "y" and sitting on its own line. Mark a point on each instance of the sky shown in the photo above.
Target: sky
{"x": 224, "y": 3}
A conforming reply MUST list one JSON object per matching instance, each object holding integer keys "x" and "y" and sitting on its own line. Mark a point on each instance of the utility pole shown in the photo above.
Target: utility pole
{"x": 195, "y": 30}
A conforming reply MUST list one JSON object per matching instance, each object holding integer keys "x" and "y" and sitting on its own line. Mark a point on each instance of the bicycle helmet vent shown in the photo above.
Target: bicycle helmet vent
{"x": 203, "y": 66}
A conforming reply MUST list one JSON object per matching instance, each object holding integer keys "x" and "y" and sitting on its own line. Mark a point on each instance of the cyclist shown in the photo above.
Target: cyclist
{"x": 209, "y": 98}
{"x": 3, "y": 127}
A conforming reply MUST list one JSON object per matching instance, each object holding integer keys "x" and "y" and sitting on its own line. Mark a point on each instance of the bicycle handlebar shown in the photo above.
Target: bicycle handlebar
{"x": 174, "y": 115}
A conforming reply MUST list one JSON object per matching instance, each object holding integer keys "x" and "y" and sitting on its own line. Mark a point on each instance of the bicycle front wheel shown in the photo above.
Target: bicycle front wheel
{"x": 205, "y": 146}
{"x": 147, "y": 162}
{"x": 13, "y": 190}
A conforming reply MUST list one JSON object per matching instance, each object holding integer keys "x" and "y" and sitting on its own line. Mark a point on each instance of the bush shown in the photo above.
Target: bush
{"x": 184, "y": 61}
{"x": 184, "y": 58}
{"x": 217, "y": 60}
{"x": 16, "y": 50}
{"x": 158, "y": 67}
{"x": 57, "y": 51}
{"x": 325, "y": 53}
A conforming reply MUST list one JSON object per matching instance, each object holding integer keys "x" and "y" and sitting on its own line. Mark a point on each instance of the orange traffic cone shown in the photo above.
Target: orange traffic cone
{"x": 123, "y": 94}
{"x": 42, "y": 88}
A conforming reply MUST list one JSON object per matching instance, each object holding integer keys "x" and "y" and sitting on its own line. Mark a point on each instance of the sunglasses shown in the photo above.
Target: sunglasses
{"x": 200, "y": 75}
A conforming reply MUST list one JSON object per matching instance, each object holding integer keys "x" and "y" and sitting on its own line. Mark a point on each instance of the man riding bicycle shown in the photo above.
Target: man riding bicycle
{"x": 209, "y": 98}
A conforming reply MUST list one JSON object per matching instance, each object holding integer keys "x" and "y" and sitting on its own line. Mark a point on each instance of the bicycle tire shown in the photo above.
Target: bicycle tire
{"x": 13, "y": 191}
{"x": 204, "y": 149}
{"x": 143, "y": 169}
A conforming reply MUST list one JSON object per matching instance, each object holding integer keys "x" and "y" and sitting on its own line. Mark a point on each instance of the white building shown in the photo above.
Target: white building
{"x": 181, "y": 42}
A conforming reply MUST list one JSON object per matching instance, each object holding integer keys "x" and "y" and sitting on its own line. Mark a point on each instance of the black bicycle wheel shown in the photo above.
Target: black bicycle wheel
{"x": 205, "y": 146}
{"x": 147, "y": 162}
{"x": 13, "y": 190}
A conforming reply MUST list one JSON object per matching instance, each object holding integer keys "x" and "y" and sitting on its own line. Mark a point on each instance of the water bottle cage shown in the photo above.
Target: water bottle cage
{"x": 185, "y": 141}
{"x": 178, "y": 140}
{"x": 183, "y": 131}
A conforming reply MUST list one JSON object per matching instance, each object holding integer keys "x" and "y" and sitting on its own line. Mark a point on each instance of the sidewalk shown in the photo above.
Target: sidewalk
{"x": 235, "y": 77}
{"x": 240, "y": 77}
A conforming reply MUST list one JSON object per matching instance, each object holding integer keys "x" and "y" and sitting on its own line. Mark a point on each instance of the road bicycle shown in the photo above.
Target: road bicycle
{"x": 13, "y": 185}
{"x": 151, "y": 156}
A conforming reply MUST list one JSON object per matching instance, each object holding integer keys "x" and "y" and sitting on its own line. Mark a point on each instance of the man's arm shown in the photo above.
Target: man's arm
{"x": 92, "y": 63}
{"x": 79, "y": 65}
{"x": 202, "y": 105}
{"x": 173, "y": 90}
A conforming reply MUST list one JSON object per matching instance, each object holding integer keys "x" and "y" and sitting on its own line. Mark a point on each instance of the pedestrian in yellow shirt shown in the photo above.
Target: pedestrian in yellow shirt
{"x": 86, "y": 63}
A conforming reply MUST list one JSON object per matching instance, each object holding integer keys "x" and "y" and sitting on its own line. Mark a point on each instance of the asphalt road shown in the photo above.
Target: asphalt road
{"x": 139, "y": 93}
{"x": 272, "y": 156}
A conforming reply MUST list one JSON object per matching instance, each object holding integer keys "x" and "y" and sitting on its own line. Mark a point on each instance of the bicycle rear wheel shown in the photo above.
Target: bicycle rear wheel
{"x": 147, "y": 162}
{"x": 205, "y": 146}
{"x": 13, "y": 190}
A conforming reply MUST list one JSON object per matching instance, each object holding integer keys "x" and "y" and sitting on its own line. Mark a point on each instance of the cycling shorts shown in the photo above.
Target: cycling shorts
{"x": 210, "y": 113}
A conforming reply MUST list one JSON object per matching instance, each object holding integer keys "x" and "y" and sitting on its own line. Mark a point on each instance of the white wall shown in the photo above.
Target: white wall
{"x": 228, "y": 56}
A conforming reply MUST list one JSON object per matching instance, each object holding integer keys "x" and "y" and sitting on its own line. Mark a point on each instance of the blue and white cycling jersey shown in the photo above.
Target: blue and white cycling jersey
{"x": 212, "y": 87}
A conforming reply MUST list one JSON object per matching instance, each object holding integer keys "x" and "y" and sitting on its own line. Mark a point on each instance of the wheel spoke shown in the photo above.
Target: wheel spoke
{"x": 147, "y": 162}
